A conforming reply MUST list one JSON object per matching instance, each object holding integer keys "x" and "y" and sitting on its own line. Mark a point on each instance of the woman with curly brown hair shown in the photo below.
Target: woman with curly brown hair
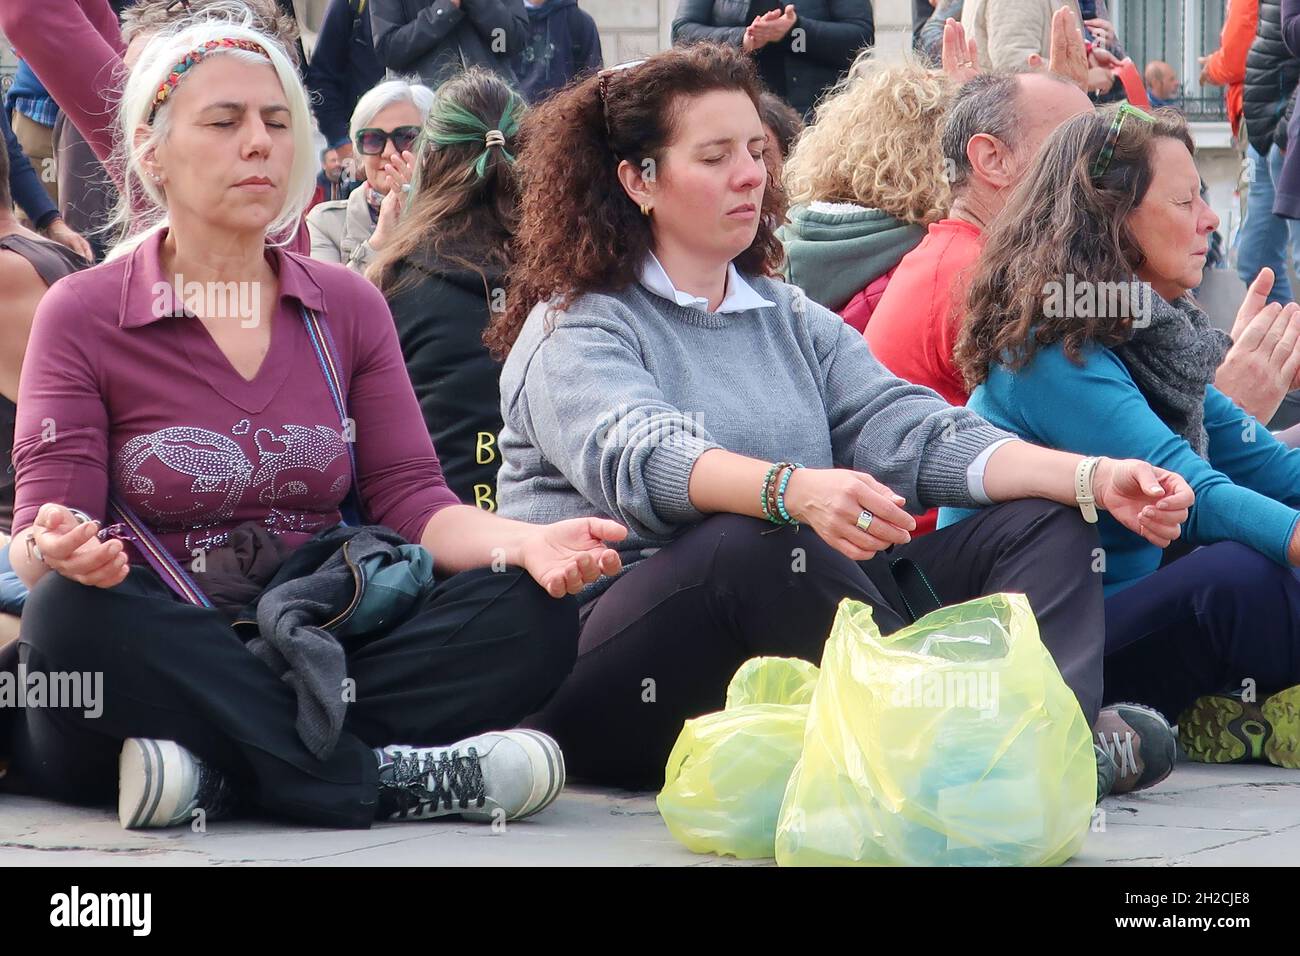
{"x": 865, "y": 180}
{"x": 656, "y": 372}
{"x": 1081, "y": 335}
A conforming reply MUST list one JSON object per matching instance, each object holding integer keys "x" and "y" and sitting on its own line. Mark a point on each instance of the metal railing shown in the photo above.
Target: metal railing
{"x": 1176, "y": 31}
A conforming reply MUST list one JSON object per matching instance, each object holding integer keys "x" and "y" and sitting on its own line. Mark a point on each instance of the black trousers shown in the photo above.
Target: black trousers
{"x": 483, "y": 651}
{"x": 661, "y": 644}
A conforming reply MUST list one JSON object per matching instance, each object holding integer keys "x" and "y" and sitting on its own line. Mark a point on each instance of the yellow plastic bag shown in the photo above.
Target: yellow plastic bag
{"x": 951, "y": 742}
{"x": 727, "y": 774}
{"x": 772, "y": 680}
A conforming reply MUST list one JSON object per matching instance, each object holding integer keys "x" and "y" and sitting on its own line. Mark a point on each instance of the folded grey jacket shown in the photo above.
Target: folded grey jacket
{"x": 350, "y": 580}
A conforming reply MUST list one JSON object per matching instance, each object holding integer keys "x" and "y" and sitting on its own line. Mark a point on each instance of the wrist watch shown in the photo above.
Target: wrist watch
{"x": 1083, "y": 488}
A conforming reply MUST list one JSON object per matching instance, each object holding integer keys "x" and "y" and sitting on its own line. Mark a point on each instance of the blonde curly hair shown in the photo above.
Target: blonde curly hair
{"x": 875, "y": 142}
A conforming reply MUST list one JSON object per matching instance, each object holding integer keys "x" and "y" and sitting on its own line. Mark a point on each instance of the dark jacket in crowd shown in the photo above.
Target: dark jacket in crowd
{"x": 1271, "y": 75}
{"x": 929, "y": 40}
{"x": 330, "y": 190}
{"x": 562, "y": 43}
{"x": 343, "y": 66}
{"x": 441, "y": 309}
{"x": 819, "y": 48}
{"x": 922, "y": 10}
{"x": 1286, "y": 191}
{"x": 437, "y": 40}
{"x": 87, "y": 196}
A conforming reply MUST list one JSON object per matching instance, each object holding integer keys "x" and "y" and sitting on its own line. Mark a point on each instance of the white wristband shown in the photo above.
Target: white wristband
{"x": 1083, "y": 489}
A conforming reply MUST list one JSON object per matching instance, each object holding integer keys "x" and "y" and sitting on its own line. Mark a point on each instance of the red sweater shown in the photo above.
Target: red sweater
{"x": 914, "y": 327}
{"x": 862, "y": 306}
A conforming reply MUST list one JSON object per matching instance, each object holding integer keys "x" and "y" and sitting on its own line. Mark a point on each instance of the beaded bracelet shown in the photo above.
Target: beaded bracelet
{"x": 780, "y": 495}
{"x": 765, "y": 498}
{"x": 769, "y": 491}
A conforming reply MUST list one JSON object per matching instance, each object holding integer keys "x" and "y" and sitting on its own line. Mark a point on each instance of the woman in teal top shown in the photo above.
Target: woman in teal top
{"x": 1081, "y": 335}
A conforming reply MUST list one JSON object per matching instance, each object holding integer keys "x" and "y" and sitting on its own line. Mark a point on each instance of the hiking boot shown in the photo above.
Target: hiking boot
{"x": 508, "y": 775}
{"x": 161, "y": 784}
{"x": 1223, "y": 728}
{"x": 1140, "y": 742}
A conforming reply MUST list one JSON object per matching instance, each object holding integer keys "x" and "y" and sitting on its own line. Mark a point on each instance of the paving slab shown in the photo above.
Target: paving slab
{"x": 1200, "y": 816}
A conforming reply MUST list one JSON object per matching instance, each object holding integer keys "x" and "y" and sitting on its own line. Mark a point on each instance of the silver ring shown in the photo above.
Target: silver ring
{"x": 864, "y": 521}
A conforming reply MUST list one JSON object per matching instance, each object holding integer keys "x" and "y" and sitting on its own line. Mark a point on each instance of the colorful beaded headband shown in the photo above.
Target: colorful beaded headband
{"x": 1102, "y": 162}
{"x": 193, "y": 58}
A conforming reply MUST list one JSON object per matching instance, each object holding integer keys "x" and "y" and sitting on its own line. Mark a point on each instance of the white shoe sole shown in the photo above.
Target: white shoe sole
{"x": 542, "y": 751}
{"x": 155, "y": 782}
{"x": 546, "y": 762}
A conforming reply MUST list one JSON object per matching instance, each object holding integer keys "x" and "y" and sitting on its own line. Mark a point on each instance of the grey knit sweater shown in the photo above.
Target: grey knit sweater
{"x": 608, "y": 405}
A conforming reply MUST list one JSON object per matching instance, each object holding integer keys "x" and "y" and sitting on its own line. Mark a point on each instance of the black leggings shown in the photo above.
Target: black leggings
{"x": 485, "y": 649}
{"x": 661, "y": 644}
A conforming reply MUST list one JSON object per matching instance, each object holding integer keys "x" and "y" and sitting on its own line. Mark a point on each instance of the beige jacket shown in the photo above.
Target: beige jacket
{"x": 1007, "y": 31}
{"x": 340, "y": 231}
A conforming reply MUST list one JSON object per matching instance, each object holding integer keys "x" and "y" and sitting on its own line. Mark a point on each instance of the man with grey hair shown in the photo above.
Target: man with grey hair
{"x": 996, "y": 124}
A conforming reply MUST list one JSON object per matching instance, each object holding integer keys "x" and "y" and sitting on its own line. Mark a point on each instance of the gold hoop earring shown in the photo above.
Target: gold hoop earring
{"x": 645, "y": 209}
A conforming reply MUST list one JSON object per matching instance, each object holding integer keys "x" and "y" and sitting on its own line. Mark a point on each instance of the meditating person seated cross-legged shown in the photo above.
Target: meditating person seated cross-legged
{"x": 1081, "y": 335}
{"x": 657, "y": 375}
{"x": 224, "y": 443}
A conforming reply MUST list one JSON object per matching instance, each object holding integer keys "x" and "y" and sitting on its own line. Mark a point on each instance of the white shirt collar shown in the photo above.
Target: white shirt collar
{"x": 740, "y": 296}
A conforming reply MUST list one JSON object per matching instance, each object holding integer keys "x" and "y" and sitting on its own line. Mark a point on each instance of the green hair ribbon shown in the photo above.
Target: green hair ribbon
{"x": 450, "y": 123}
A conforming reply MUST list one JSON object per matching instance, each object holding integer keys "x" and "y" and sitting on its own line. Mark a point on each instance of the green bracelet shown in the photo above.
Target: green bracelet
{"x": 767, "y": 488}
{"x": 780, "y": 494}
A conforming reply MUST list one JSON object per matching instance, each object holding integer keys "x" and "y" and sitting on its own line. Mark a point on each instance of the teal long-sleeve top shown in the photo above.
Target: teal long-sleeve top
{"x": 1247, "y": 491}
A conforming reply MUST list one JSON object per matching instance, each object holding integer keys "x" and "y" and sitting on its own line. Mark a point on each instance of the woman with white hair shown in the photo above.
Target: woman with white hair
{"x": 223, "y": 442}
{"x": 385, "y": 126}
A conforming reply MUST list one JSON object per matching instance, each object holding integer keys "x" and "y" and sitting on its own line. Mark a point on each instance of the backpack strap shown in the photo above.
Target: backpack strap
{"x": 160, "y": 559}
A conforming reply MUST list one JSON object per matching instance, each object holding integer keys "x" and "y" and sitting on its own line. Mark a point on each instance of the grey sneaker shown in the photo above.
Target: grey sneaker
{"x": 161, "y": 784}
{"x": 1140, "y": 742}
{"x": 511, "y": 774}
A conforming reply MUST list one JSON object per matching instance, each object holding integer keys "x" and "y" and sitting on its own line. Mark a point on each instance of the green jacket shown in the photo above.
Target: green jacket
{"x": 834, "y": 252}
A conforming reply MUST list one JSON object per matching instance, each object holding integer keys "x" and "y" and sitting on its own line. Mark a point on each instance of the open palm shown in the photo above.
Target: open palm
{"x": 567, "y": 556}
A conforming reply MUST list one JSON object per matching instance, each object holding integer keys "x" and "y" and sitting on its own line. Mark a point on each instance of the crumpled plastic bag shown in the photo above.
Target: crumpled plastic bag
{"x": 950, "y": 742}
{"x": 727, "y": 773}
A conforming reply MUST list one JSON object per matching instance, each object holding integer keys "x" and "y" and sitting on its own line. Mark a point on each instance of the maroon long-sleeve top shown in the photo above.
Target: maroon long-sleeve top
{"x": 111, "y": 393}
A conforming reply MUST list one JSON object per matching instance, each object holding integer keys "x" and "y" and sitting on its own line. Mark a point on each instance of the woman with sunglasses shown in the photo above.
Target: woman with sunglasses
{"x": 657, "y": 374}
{"x": 385, "y": 125}
{"x": 1081, "y": 334}
{"x": 224, "y": 444}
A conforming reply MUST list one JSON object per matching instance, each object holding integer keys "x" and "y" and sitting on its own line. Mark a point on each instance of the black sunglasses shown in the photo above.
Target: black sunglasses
{"x": 371, "y": 141}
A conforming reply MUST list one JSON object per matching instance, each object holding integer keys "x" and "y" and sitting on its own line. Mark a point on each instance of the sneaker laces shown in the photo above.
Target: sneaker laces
{"x": 1120, "y": 751}
{"x": 214, "y": 793}
{"x": 449, "y": 778}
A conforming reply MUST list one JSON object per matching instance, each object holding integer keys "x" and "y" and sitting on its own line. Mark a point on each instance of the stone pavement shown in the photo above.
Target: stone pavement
{"x": 1247, "y": 815}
